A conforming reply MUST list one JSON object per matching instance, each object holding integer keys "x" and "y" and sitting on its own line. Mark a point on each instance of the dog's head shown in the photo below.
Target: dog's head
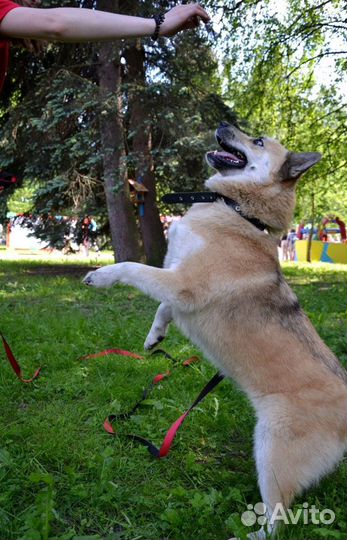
{"x": 259, "y": 173}
{"x": 258, "y": 160}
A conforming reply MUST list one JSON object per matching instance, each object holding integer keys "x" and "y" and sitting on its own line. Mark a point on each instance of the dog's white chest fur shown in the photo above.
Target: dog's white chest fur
{"x": 183, "y": 242}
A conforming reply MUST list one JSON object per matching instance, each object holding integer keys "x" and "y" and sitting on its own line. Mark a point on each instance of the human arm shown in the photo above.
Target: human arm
{"x": 80, "y": 25}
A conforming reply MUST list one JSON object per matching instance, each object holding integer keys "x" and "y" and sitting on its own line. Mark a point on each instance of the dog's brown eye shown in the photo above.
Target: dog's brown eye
{"x": 259, "y": 142}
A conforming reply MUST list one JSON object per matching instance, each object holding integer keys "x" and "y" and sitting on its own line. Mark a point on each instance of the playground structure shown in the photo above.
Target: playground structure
{"x": 329, "y": 244}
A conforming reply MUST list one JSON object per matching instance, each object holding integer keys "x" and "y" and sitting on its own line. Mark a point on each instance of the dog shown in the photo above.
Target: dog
{"x": 223, "y": 287}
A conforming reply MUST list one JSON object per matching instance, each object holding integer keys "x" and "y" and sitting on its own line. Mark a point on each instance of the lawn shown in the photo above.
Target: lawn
{"x": 62, "y": 476}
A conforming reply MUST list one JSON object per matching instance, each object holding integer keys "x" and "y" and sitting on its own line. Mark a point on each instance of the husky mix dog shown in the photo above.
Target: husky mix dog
{"x": 223, "y": 287}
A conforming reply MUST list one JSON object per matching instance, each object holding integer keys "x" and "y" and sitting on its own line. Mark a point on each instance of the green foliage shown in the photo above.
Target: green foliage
{"x": 21, "y": 200}
{"x": 51, "y": 131}
{"x": 273, "y": 64}
{"x": 38, "y": 518}
{"x": 263, "y": 61}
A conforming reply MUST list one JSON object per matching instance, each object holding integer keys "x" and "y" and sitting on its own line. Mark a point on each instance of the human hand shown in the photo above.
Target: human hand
{"x": 182, "y": 18}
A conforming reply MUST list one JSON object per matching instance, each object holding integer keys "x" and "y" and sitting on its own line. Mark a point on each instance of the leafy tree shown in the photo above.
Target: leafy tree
{"x": 97, "y": 115}
{"x": 272, "y": 63}
{"x": 82, "y": 119}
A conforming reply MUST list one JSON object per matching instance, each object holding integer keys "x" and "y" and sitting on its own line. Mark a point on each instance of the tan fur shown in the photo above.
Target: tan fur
{"x": 224, "y": 289}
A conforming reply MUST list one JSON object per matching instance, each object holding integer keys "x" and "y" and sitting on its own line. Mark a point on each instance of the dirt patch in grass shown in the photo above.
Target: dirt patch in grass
{"x": 60, "y": 270}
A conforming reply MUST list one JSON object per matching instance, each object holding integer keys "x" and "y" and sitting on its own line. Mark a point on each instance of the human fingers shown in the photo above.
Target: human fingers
{"x": 186, "y": 11}
{"x": 198, "y": 11}
{"x": 183, "y": 17}
{"x": 193, "y": 22}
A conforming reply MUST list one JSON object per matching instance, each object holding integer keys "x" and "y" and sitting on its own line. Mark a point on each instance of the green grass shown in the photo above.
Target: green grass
{"x": 63, "y": 477}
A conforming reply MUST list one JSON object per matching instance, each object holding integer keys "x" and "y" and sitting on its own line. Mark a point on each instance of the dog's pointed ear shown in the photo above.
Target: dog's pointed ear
{"x": 297, "y": 164}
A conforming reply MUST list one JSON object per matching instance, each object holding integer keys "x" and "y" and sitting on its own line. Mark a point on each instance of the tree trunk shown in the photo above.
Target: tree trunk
{"x": 124, "y": 233}
{"x": 154, "y": 242}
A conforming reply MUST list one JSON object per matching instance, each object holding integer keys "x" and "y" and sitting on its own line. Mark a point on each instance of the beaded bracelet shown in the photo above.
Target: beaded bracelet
{"x": 159, "y": 19}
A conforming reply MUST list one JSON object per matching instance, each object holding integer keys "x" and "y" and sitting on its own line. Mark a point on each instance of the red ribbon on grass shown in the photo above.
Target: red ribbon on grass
{"x": 15, "y": 365}
{"x": 171, "y": 433}
{"x": 111, "y": 351}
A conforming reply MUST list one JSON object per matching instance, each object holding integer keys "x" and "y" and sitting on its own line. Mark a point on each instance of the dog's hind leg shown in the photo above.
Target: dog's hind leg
{"x": 282, "y": 462}
{"x": 290, "y": 457}
{"x": 277, "y": 486}
{"x": 159, "y": 326}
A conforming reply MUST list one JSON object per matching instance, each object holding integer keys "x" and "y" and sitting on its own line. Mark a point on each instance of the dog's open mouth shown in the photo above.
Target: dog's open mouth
{"x": 229, "y": 158}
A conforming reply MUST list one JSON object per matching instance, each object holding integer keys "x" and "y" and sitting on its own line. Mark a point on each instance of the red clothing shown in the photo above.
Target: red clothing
{"x": 299, "y": 233}
{"x": 5, "y": 7}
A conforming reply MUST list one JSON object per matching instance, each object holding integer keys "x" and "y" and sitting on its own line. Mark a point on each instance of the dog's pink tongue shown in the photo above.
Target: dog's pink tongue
{"x": 227, "y": 155}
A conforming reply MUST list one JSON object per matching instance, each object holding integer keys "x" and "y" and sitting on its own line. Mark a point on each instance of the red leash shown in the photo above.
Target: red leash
{"x": 171, "y": 433}
{"x": 15, "y": 365}
{"x": 156, "y": 379}
{"x": 111, "y": 351}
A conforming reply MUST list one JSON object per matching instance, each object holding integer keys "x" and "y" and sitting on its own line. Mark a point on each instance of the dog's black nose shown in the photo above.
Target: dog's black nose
{"x": 224, "y": 124}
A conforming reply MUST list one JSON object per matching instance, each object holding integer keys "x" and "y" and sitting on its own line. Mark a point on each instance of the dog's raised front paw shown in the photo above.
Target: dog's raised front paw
{"x": 104, "y": 277}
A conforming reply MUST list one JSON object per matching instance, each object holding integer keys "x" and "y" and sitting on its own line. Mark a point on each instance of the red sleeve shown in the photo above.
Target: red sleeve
{"x": 5, "y": 7}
